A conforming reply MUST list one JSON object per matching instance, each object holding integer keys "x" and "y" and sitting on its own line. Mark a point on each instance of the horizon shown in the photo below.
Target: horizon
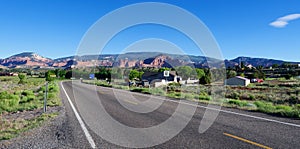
{"x": 139, "y": 52}
{"x": 238, "y": 32}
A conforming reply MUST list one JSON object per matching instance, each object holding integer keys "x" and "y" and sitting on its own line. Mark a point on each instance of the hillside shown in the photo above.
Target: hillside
{"x": 258, "y": 61}
{"x": 26, "y": 59}
{"x": 134, "y": 59}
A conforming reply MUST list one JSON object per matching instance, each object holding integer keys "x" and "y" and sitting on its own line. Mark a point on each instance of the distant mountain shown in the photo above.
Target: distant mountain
{"x": 133, "y": 59}
{"x": 26, "y": 59}
{"x": 255, "y": 62}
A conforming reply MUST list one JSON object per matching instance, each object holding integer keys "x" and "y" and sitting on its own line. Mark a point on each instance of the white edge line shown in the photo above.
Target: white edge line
{"x": 224, "y": 111}
{"x": 86, "y": 132}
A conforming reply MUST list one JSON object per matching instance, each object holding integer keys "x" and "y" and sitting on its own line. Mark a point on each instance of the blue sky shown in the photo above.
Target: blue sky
{"x": 54, "y": 28}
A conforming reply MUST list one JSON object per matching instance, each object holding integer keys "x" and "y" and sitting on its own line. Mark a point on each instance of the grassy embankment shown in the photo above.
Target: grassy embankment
{"x": 16, "y": 98}
{"x": 277, "y": 97}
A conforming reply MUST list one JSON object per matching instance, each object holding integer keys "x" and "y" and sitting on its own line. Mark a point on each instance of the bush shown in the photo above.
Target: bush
{"x": 27, "y": 93}
{"x": 266, "y": 107}
{"x": 293, "y": 100}
{"x": 188, "y": 96}
{"x": 287, "y": 111}
{"x": 233, "y": 95}
{"x": 281, "y": 110}
{"x": 171, "y": 95}
{"x": 204, "y": 97}
{"x": 53, "y": 88}
{"x": 297, "y": 106}
{"x": 157, "y": 91}
{"x": 51, "y": 96}
{"x": 251, "y": 97}
{"x": 10, "y": 103}
{"x": 23, "y": 99}
{"x": 22, "y": 78}
{"x": 137, "y": 89}
{"x": 238, "y": 103}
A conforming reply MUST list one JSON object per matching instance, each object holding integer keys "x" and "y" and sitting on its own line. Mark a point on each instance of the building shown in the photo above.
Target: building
{"x": 237, "y": 81}
{"x": 158, "y": 79}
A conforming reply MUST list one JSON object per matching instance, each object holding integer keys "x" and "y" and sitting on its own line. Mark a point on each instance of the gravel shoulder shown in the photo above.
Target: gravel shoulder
{"x": 54, "y": 133}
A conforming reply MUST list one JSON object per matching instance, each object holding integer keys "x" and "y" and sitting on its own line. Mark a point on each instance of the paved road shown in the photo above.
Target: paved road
{"x": 232, "y": 129}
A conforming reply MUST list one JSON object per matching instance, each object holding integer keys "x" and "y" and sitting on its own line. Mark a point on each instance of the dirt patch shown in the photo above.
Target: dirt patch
{"x": 25, "y": 115}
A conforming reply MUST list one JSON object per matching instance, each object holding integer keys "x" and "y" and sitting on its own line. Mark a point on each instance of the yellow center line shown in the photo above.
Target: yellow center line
{"x": 247, "y": 141}
{"x": 130, "y": 102}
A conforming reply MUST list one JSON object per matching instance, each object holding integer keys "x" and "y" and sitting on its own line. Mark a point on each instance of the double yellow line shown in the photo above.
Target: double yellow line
{"x": 247, "y": 141}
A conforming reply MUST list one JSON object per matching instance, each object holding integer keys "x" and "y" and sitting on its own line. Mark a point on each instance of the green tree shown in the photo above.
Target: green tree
{"x": 185, "y": 72}
{"x": 231, "y": 73}
{"x": 259, "y": 74}
{"x": 164, "y": 69}
{"x": 49, "y": 75}
{"x": 68, "y": 75}
{"x": 62, "y": 73}
{"x": 134, "y": 74}
{"x": 207, "y": 78}
{"x": 103, "y": 73}
{"x": 116, "y": 73}
{"x": 200, "y": 73}
{"x": 22, "y": 78}
{"x": 242, "y": 75}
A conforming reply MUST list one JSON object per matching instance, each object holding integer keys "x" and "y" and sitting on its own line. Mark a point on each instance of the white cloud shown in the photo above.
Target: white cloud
{"x": 283, "y": 21}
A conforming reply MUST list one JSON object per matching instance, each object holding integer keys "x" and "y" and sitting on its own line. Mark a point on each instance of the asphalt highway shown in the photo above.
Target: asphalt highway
{"x": 112, "y": 118}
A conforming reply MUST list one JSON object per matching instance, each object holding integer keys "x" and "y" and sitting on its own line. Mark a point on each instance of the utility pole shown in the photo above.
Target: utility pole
{"x": 45, "y": 97}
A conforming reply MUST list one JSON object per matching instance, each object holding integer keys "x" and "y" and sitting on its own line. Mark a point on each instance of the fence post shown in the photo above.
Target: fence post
{"x": 45, "y": 97}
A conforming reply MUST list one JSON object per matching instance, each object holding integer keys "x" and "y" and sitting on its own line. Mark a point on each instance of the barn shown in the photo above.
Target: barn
{"x": 237, "y": 81}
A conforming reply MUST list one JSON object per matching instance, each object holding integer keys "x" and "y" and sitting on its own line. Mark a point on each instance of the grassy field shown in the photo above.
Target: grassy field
{"x": 18, "y": 98}
{"x": 278, "y": 97}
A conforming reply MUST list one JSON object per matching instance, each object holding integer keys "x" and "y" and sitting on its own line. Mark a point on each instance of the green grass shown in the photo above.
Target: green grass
{"x": 281, "y": 110}
{"x": 11, "y": 129}
{"x": 238, "y": 102}
{"x": 30, "y": 98}
{"x": 25, "y": 97}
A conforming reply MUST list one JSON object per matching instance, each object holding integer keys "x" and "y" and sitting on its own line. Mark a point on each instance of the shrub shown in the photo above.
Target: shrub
{"x": 188, "y": 96}
{"x": 171, "y": 95}
{"x": 27, "y": 93}
{"x": 10, "y": 103}
{"x": 282, "y": 110}
{"x": 51, "y": 95}
{"x": 297, "y": 106}
{"x": 157, "y": 91}
{"x": 204, "y": 97}
{"x": 53, "y": 88}
{"x": 266, "y": 107}
{"x": 136, "y": 90}
{"x": 284, "y": 107}
{"x": 238, "y": 102}
{"x": 251, "y": 97}
{"x": 293, "y": 100}
{"x": 146, "y": 90}
{"x": 23, "y": 99}
{"x": 22, "y": 78}
{"x": 287, "y": 111}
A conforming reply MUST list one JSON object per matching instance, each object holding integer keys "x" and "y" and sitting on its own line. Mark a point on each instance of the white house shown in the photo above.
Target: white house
{"x": 237, "y": 81}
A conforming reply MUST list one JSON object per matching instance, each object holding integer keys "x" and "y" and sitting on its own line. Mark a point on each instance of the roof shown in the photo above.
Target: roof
{"x": 148, "y": 74}
{"x": 239, "y": 77}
